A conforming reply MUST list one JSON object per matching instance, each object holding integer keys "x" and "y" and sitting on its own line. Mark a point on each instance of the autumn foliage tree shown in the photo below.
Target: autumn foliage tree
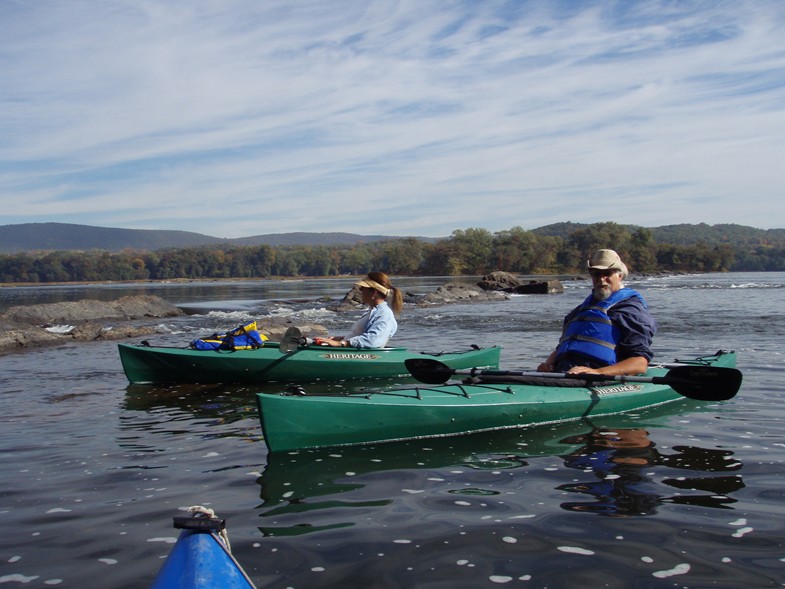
{"x": 472, "y": 251}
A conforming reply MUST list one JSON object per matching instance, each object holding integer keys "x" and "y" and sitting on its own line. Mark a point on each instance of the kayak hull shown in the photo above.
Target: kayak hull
{"x": 294, "y": 422}
{"x": 199, "y": 560}
{"x": 150, "y": 365}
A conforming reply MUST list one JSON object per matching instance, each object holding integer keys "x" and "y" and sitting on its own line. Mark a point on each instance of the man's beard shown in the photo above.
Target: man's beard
{"x": 602, "y": 292}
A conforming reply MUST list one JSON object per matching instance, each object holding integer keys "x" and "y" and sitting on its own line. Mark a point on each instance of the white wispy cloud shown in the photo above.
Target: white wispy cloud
{"x": 400, "y": 118}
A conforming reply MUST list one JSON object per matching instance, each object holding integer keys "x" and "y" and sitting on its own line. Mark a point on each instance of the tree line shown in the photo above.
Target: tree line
{"x": 466, "y": 252}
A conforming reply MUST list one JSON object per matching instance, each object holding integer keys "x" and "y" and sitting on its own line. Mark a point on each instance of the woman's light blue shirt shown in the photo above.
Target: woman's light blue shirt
{"x": 375, "y": 328}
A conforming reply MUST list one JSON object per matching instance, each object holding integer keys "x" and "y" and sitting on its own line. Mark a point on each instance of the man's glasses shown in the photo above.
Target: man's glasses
{"x": 602, "y": 273}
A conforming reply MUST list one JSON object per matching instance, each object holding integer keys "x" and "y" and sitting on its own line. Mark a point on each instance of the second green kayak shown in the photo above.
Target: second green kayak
{"x": 291, "y": 422}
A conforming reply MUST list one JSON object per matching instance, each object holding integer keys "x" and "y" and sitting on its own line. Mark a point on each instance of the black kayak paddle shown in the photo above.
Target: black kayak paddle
{"x": 292, "y": 339}
{"x": 703, "y": 383}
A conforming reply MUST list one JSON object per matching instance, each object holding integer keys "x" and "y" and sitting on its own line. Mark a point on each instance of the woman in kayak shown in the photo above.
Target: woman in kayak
{"x": 378, "y": 324}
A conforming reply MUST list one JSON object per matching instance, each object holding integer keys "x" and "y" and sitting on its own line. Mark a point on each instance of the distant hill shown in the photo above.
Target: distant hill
{"x": 29, "y": 237}
{"x": 562, "y": 230}
{"x": 716, "y": 234}
{"x": 684, "y": 234}
{"x": 26, "y": 237}
{"x": 301, "y": 238}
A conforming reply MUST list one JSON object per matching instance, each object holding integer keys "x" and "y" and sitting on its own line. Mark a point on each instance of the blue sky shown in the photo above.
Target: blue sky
{"x": 238, "y": 118}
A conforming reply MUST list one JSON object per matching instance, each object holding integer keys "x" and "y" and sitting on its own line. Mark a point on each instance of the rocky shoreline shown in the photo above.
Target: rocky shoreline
{"x": 32, "y": 326}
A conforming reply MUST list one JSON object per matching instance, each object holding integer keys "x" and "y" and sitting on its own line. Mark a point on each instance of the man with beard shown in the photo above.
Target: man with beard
{"x": 611, "y": 331}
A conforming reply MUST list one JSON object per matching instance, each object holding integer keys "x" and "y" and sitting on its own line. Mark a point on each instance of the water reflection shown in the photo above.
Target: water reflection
{"x": 228, "y": 403}
{"x": 310, "y": 490}
{"x": 203, "y": 399}
{"x": 622, "y": 471}
{"x": 616, "y": 459}
{"x": 210, "y": 410}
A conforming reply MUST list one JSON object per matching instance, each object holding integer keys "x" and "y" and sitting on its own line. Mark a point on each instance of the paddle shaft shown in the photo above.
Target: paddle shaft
{"x": 564, "y": 375}
{"x": 704, "y": 383}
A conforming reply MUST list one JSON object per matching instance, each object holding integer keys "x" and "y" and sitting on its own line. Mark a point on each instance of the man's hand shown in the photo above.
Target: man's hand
{"x": 583, "y": 370}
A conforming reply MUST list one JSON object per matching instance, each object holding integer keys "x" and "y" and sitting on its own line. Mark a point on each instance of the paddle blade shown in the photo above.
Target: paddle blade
{"x": 704, "y": 383}
{"x": 428, "y": 371}
{"x": 290, "y": 340}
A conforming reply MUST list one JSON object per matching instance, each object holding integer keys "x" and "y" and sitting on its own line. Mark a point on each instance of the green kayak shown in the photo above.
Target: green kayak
{"x": 488, "y": 400}
{"x": 147, "y": 365}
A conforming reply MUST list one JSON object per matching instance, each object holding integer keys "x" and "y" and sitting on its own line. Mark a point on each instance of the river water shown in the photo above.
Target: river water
{"x": 686, "y": 495}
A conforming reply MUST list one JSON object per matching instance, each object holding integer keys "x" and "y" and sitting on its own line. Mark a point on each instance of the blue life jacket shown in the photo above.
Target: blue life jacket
{"x": 591, "y": 332}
